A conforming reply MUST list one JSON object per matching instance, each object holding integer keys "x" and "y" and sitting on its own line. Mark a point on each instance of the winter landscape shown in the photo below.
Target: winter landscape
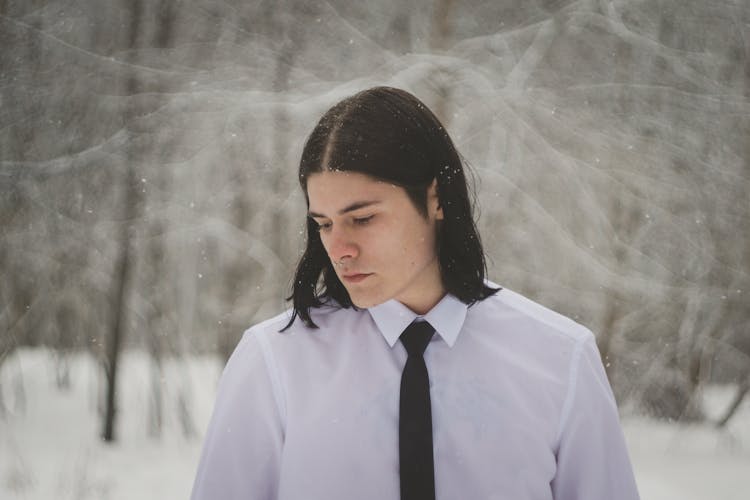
{"x": 49, "y": 450}
{"x": 150, "y": 212}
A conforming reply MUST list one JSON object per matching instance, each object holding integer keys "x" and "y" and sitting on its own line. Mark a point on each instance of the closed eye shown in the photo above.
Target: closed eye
{"x": 363, "y": 220}
{"x": 359, "y": 221}
{"x": 323, "y": 227}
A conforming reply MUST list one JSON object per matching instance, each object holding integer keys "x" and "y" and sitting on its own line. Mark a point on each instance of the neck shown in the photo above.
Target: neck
{"x": 427, "y": 294}
{"x": 425, "y": 306}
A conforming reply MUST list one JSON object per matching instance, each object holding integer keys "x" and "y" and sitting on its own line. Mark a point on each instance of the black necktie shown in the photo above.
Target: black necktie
{"x": 415, "y": 418}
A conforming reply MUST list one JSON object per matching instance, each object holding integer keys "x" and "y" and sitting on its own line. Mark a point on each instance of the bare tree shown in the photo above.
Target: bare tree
{"x": 239, "y": 274}
{"x": 123, "y": 267}
{"x": 743, "y": 320}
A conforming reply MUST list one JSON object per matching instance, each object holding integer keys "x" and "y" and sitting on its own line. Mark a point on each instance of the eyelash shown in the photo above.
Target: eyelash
{"x": 363, "y": 220}
{"x": 360, "y": 221}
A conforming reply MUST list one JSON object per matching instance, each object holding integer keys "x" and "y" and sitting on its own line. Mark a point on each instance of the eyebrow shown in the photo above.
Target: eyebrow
{"x": 350, "y": 208}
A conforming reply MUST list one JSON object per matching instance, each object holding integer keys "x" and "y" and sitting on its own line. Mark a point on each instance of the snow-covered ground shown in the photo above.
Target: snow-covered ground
{"x": 49, "y": 446}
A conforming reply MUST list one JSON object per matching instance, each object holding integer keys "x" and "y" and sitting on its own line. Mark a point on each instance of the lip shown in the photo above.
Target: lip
{"x": 355, "y": 278}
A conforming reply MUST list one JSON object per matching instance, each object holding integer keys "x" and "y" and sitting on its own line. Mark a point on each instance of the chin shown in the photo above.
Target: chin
{"x": 364, "y": 302}
{"x": 361, "y": 303}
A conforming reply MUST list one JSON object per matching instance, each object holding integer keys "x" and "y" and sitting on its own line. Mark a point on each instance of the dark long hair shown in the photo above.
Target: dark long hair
{"x": 390, "y": 135}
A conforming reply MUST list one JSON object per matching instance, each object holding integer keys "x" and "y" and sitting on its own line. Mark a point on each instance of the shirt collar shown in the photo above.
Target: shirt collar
{"x": 447, "y": 317}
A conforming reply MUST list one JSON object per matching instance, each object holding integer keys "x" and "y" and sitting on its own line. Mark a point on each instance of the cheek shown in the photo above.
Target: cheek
{"x": 412, "y": 248}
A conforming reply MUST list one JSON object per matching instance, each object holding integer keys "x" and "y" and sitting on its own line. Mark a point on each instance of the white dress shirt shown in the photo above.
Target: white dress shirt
{"x": 521, "y": 408}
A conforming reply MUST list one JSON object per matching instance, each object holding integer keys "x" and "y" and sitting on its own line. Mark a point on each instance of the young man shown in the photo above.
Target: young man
{"x": 401, "y": 372}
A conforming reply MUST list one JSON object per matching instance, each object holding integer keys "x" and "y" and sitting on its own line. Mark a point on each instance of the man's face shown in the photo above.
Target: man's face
{"x": 381, "y": 247}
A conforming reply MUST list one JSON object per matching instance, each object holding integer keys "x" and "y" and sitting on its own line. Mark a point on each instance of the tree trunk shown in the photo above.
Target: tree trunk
{"x": 123, "y": 267}
{"x": 742, "y": 391}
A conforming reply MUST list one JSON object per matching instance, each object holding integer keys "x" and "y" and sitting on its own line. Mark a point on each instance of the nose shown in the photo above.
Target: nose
{"x": 339, "y": 244}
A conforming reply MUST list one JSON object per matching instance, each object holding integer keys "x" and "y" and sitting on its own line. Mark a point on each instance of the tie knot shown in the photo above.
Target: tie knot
{"x": 416, "y": 337}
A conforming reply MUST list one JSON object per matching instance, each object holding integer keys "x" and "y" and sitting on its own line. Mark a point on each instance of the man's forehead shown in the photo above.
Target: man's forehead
{"x": 340, "y": 192}
{"x": 333, "y": 175}
{"x": 351, "y": 207}
{"x": 345, "y": 184}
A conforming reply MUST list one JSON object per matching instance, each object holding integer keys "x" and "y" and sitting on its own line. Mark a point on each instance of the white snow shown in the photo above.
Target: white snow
{"x": 49, "y": 445}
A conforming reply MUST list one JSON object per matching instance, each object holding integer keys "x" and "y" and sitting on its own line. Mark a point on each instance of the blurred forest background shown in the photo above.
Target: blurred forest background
{"x": 149, "y": 148}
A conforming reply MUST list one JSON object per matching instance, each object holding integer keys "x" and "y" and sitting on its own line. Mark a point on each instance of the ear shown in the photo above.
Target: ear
{"x": 433, "y": 201}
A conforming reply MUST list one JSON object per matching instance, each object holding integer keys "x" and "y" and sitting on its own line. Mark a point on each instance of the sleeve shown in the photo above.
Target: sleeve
{"x": 242, "y": 448}
{"x": 592, "y": 458}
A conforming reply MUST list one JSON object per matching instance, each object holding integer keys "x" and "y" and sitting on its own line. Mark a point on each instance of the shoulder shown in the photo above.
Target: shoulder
{"x": 328, "y": 318}
{"x": 507, "y": 307}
